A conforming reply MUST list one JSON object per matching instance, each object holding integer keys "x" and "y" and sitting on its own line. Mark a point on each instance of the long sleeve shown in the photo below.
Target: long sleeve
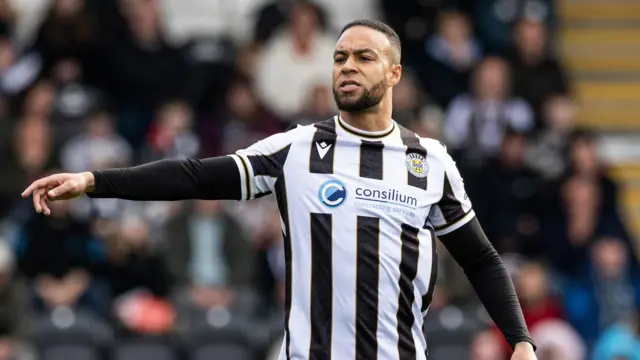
{"x": 486, "y": 272}
{"x": 212, "y": 179}
{"x": 248, "y": 174}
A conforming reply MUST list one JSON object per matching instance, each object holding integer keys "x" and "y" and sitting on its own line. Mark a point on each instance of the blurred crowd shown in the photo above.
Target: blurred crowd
{"x": 89, "y": 84}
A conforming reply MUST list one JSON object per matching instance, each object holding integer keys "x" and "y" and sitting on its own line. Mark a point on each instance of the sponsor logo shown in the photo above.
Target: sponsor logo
{"x": 323, "y": 148}
{"x": 391, "y": 197}
{"x": 417, "y": 165}
{"x": 332, "y": 193}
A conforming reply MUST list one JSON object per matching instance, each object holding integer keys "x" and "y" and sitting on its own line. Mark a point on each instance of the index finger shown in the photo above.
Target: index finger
{"x": 33, "y": 187}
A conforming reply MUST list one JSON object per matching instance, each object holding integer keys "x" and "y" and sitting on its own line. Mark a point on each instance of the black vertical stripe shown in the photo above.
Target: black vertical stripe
{"x": 408, "y": 271}
{"x": 426, "y": 299}
{"x": 371, "y": 159}
{"x": 323, "y": 148}
{"x": 321, "y": 287}
{"x": 270, "y": 165}
{"x": 412, "y": 142}
{"x": 367, "y": 276}
{"x": 449, "y": 204}
{"x": 281, "y": 197}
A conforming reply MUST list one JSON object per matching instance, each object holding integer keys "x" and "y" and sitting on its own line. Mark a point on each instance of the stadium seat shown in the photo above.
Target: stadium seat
{"x": 452, "y": 327}
{"x": 143, "y": 349}
{"x": 227, "y": 343}
{"x": 448, "y": 352}
{"x": 70, "y": 352}
{"x": 70, "y": 335}
{"x": 222, "y": 352}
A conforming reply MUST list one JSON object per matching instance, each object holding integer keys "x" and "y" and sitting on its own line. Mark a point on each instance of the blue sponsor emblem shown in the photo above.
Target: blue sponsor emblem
{"x": 332, "y": 193}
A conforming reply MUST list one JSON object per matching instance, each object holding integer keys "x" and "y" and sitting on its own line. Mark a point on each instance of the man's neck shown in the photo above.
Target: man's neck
{"x": 374, "y": 121}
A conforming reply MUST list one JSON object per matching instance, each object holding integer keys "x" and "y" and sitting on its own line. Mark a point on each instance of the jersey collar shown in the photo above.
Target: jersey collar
{"x": 362, "y": 133}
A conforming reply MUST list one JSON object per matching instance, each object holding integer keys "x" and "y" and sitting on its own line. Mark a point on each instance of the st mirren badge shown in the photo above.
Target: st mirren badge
{"x": 417, "y": 165}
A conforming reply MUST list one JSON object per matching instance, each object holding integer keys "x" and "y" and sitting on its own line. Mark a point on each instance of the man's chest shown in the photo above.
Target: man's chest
{"x": 355, "y": 180}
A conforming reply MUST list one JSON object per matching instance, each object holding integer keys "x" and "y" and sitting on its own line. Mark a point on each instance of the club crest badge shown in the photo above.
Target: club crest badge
{"x": 417, "y": 165}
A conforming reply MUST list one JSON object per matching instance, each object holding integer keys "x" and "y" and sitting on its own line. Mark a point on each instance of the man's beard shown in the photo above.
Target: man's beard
{"x": 368, "y": 99}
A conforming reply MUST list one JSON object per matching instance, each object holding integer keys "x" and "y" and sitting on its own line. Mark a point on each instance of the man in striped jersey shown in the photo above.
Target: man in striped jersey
{"x": 361, "y": 199}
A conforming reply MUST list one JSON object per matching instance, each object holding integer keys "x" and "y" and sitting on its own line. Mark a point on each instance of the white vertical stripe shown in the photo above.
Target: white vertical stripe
{"x": 421, "y": 286}
{"x": 389, "y": 290}
{"x": 299, "y": 319}
{"x": 347, "y": 153}
{"x": 394, "y": 171}
{"x": 299, "y": 209}
{"x": 344, "y": 287}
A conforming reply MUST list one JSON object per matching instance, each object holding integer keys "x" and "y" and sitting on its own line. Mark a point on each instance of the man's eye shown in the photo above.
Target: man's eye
{"x": 366, "y": 58}
{"x": 338, "y": 60}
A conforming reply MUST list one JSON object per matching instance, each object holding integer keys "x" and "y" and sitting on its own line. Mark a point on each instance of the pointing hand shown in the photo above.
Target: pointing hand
{"x": 58, "y": 187}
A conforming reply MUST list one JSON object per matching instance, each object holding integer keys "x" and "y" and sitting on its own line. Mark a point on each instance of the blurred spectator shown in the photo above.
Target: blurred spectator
{"x": 138, "y": 280}
{"x": 98, "y": 147}
{"x": 133, "y": 263}
{"x": 293, "y": 61}
{"x": 27, "y": 155}
{"x": 495, "y": 19}
{"x": 8, "y": 168}
{"x": 241, "y": 122}
{"x": 73, "y": 102}
{"x": 507, "y": 192}
{"x": 11, "y": 347}
{"x": 608, "y": 293}
{"x": 210, "y": 255}
{"x": 567, "y": 233}
{"x": 536, "y": 74}
{"x": 588, "y": 209}
{"x": 271, "y": 270}
{"x": 275, "y": 14}
{"x": 7, "y": 17}
{"x": 486, "y": 346}
{"x": 59, "y": 254}
{"x": 17, "y": 70}
{"x": 414, "y": 109}
{"x": 557, "y": 340}
{"x": 13, "y": 307}
{"x": 414, "y": 21}
{"x": 586, "y": 162}
{"x": 453, "y": 53}
{"x": 39, "y": 100}
{"x": 68, "y": 35}
{"x": 539, "y": 305}
{"x": 549, "y": 151}
{"x": 620, "y": 341}
{"x": 534, "y": 292}
{"x": 171, "y": 136}
{"x": 142, "y": 70}
{"x": 476, "y": 122}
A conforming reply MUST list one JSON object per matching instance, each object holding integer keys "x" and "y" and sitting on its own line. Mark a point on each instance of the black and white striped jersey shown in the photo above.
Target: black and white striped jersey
{"x": 360, "y": 212}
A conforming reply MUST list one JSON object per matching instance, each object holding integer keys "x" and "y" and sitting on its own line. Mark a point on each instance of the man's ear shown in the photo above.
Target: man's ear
{"x": 395, "y": 74}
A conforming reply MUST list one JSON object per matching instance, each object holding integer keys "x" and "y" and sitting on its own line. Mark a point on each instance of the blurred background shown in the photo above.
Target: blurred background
{"x": 538, "y": 101}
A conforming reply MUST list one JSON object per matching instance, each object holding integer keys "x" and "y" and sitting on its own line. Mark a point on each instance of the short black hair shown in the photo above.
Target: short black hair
{"x": 379, "y": 26}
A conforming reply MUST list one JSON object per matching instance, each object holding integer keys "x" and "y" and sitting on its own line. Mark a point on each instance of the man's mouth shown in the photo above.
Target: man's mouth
{"x": 349, "y": 85}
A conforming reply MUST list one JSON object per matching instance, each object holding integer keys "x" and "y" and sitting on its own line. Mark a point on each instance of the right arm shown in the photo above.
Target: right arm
{"x": 245, "y": 175}
{"x": 215, "y": 178}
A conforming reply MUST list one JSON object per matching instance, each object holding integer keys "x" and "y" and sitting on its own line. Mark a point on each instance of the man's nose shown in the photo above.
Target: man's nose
{"x": 349, "y": 67}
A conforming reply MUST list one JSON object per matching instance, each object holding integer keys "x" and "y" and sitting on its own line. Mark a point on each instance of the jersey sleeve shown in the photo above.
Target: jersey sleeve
{"x": 454, "y": 209}
{"x": 261, "y": 164}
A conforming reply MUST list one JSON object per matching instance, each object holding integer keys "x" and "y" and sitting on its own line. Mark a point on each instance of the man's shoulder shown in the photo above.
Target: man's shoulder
{"x": 429, "y": 144}
{"x": 327, "y": 125}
